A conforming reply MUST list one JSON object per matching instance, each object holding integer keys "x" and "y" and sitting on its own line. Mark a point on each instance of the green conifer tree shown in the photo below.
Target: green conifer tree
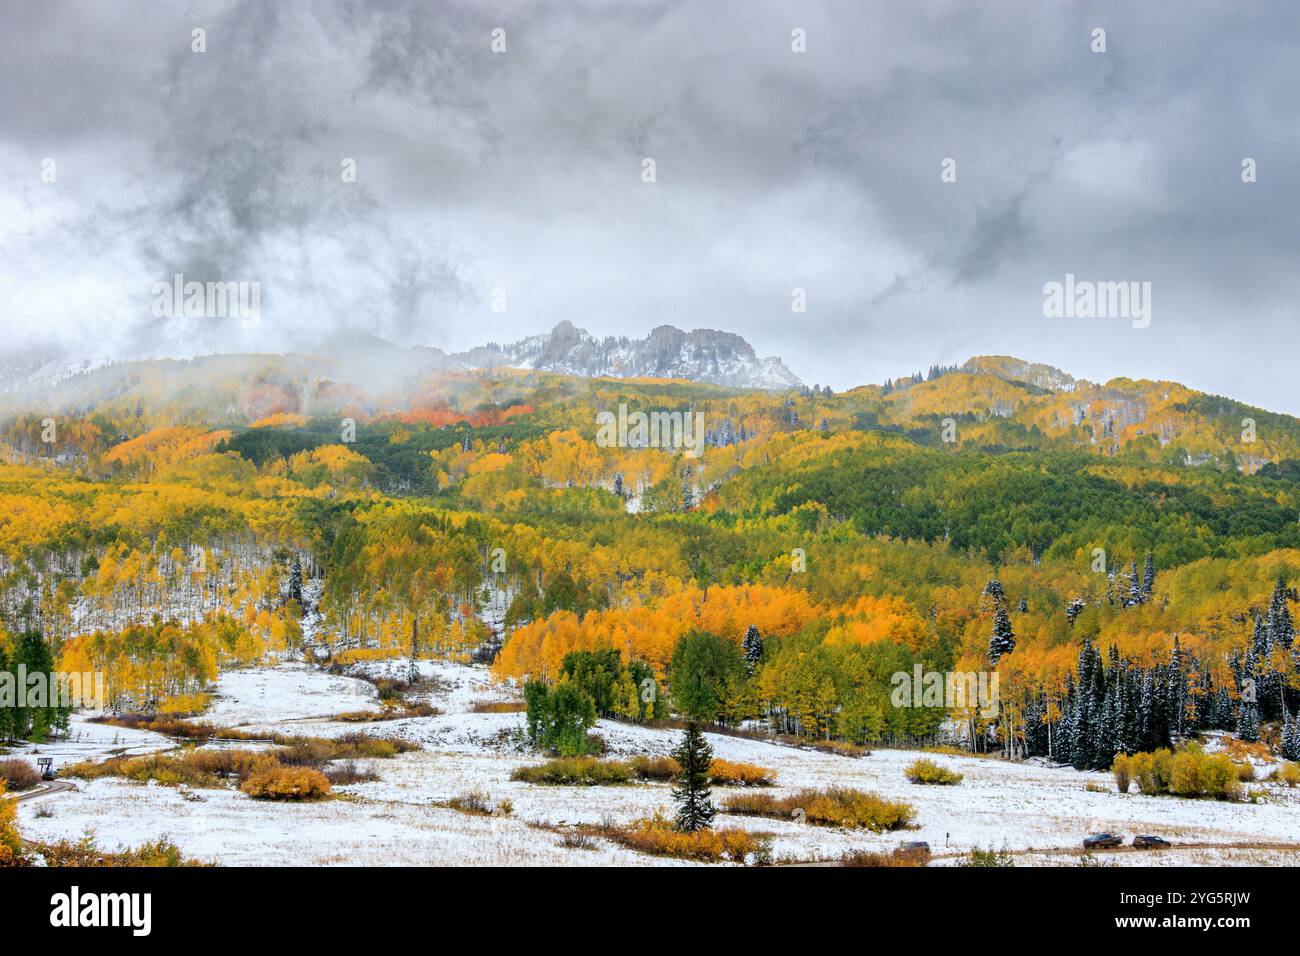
{"x": 694, "y": 805}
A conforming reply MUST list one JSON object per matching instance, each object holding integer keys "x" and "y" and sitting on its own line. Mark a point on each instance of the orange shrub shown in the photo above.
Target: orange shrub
{"x": 729, "y": 773}
{"x": 231, "y": 763}
{"x": 287, "y": 783}
{"x": 656, "y": 836}
{"x": 11, "y": 844}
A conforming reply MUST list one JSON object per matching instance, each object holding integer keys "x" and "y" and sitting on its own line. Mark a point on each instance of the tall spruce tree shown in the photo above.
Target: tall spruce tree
{"x": 1248, "y": 707}
{"x": 1291, "y": 738}
{"x": 1223, "y": 719}
{"x": 295, "y": 581}
{"x": 36, "y": 719}
{"x": 691, "y": 790}
{"x": 1134, "y": 587}
{"x": 753, "y": 648}
{"x": 1248, "y": 721}
{"x": 1281, "y": 628}
{"x": 1003, "y": 641}
{"x": 1081, "y": 722}
{"x": 1063, "y": 739}
{"x": 1176, "y": 690}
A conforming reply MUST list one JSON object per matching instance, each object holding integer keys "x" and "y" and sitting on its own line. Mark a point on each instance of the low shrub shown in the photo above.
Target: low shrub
{"x": 477, "y": 802}
{"x": 1189, "y": 772}
{"x": 195, "y": 768}
{"x": 18, "y": 774}
{"x": 898, "y": 858}
{"x": 287, "y": 783}
{"x": 307, "y": 752}
{"x": 389, "y": 713}
{"x": 590, "y": 771}
{"x": 662, "y": 769}
{"x": 318, "y": 751}
{"x": 84, "y": 852}
{"x": 164, "y": 770}
{"x": 575, "y": 771}
{"x": 728, "y": 773}
{"x": 348, "y": 772}
{"x": 91, "y": 770}
{"x": 168, "y": 726}
{"x": 12, "y": 852}
{"x": 988, "y": 858}
{"x": 1122, "y": 770}
{"x": 1288, "y": 774}
{"x": 656, "y": 836}
{"x": 926, "y": 771}
{"x": 577, "y": 840}
{"x": 834, "y": 806}
{"x": 225, "y": 764}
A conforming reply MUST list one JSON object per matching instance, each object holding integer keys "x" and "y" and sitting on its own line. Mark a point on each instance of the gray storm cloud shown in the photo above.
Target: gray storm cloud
{"x": 521, "y": 171}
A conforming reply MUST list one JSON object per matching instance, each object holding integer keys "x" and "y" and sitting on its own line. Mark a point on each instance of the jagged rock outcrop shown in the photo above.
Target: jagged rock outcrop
{"x": 701, "y": 355}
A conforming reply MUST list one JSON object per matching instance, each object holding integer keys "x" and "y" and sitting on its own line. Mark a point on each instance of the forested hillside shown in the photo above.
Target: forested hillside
{"x": 164, "y": 521}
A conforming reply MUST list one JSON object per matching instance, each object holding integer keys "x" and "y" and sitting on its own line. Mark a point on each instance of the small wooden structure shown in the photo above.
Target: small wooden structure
{"x": 46, "y": 766}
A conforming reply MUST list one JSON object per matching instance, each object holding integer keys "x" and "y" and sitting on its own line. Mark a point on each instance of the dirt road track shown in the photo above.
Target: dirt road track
{"x": 44, "y": 790}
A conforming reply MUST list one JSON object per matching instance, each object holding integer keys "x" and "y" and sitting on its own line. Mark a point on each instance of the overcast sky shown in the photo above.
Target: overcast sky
{"x": 775, "y": 170}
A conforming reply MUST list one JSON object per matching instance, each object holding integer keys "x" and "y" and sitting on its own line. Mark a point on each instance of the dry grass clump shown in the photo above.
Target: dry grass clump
{"x": 898, "y": 858}
{"x": 498, "y": 707}
{"x": 389, "y": 713}
{"x": 477, "y": 802}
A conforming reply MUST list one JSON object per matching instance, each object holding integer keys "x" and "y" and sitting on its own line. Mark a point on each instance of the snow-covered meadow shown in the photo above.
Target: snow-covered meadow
{"x": 1039, "y": 812}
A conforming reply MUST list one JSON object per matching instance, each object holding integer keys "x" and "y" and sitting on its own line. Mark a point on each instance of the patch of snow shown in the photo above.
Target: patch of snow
{"x": 287, "y": 691}
{"x": 1040, "y": 812}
